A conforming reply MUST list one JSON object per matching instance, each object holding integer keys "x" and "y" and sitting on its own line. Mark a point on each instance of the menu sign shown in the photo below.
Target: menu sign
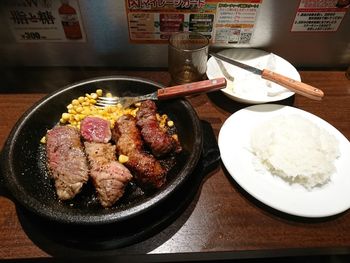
{"x": 45, "y": 21}
{"x": 235, "y": 22}
{"x": 320, "y": 16}
{"x": 231, "y": 22}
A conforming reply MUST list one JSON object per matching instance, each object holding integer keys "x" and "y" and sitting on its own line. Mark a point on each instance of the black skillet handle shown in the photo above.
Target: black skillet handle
{"x": 211, "y": 153}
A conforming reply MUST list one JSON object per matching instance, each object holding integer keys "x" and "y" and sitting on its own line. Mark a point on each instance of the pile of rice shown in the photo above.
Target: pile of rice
{"x": 296, "y": 149}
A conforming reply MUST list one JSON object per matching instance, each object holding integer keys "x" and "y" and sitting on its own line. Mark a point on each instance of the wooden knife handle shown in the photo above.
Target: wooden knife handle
{"x": 293, "y": 85}
{"x": 191, "y": 88}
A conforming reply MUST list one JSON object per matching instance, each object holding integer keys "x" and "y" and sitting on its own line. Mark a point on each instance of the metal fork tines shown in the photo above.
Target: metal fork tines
{"x": 124, "y": 101}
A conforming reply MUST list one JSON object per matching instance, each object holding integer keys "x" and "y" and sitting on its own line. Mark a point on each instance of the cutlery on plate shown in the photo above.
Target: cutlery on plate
{"x": 291, "y": 84}
{"x": 224, "y": 71}
{"x": 166, "y": 93}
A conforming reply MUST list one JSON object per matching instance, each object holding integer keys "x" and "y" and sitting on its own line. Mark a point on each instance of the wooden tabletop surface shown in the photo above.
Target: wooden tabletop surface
{"x": 221, "y": 221}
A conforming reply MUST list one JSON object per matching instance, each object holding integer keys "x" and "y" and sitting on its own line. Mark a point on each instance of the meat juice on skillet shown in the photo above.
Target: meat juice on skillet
{"x": 159, "y": 142}
{"x": 109, "y": 177}
{"x": 147, "y": 170}
{"x": 66, "y": 161}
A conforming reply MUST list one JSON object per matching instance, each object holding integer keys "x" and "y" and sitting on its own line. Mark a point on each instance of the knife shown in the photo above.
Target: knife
{"x": 291, "y": 84}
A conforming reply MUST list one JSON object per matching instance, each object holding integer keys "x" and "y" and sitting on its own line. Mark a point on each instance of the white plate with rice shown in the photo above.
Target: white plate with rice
{"x": 248, "y": 87}
{"x": 268, "y": 178}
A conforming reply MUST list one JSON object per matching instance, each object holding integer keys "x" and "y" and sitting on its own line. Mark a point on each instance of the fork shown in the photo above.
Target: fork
{"x": 203, "y": 86}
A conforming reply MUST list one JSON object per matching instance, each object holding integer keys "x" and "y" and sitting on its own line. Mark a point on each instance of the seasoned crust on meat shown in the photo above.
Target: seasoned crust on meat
{"x": 108, "y": 175}
{"x": 127, "y": 135}
{"x": 146, "y": 169}
{"x": 159, "y": 141}
{"x": 66, "y": 161}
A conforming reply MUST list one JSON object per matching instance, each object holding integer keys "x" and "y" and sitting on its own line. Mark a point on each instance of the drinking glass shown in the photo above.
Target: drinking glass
{"x": 187, "y": 57}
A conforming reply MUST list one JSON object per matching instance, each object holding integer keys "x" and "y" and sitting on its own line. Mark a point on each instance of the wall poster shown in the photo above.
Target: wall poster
{"x": 45, "y": 21}
{"x": 228, "y": 22}
{"x": 320, "y": 16}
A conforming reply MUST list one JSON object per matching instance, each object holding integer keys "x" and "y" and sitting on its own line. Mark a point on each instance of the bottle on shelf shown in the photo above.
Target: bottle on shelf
{"x": 70, "y": 21}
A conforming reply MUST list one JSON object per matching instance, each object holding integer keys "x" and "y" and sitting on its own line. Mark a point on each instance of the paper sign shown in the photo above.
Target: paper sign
{"x": 231, "y": 22}
{"x": 235, "y": 22}
{"x": 45, "y": 21}
{"x": 320, "y": 16}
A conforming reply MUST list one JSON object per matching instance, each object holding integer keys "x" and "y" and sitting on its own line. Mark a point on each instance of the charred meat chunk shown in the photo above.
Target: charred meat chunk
{"x": 127, "y": 136}
{"x": 94, "y": 129}
{"x": 158, "y": 140}
{"x": 146, "y": 169}
{"x": 66, "y": 161}
{"x": 108, "y": 175}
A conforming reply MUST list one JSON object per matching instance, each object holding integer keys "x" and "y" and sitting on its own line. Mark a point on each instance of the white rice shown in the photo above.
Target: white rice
{"x": 296, "y": 149}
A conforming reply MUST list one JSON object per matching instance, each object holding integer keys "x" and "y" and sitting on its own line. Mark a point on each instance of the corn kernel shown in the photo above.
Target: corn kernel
{"x": 109, "y": 95}
{"x": 99, "y": 92}
{"x": 94, "y": 96}
{"x": 43, "y": 139}
{"x": 65, "y": 116}
{"x": 123, "y": 158}
{"x": 134, "y": 112}
{"x": 86, "y": 112}
{"x": 79, "y": 109}
{"x": 170, "y": 123}
{"x": 81, "y": 99}
{"x": 75, "y": 102}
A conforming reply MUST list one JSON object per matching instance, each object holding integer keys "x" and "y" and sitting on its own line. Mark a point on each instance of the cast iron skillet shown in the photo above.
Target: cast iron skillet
{"x": 25, "y": 173}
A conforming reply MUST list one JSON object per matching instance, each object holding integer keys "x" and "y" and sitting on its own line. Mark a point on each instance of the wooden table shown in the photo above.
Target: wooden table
{"x": 222, "y": 221}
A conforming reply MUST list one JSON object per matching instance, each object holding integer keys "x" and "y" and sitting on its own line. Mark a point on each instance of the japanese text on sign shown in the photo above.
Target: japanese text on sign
{"x": 151, "y": 4}
{"x": 231, "y": 22}
{"x": 45, "y": 21}
{"x": 319, "y": 16}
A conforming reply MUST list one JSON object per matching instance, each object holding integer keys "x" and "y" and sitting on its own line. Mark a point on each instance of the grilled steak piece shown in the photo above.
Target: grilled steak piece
{"x": 94, "y": 129}
{"x": 146, "y": 169}
{"x": 66, "y": 161}
{"x": 108, "y": 175}
{"x": 160, "y": 142}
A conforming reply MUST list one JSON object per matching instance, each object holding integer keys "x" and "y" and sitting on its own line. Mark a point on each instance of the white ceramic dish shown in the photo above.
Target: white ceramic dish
{"x": 248, "y": 87}
{"x": 234, "y": 144}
